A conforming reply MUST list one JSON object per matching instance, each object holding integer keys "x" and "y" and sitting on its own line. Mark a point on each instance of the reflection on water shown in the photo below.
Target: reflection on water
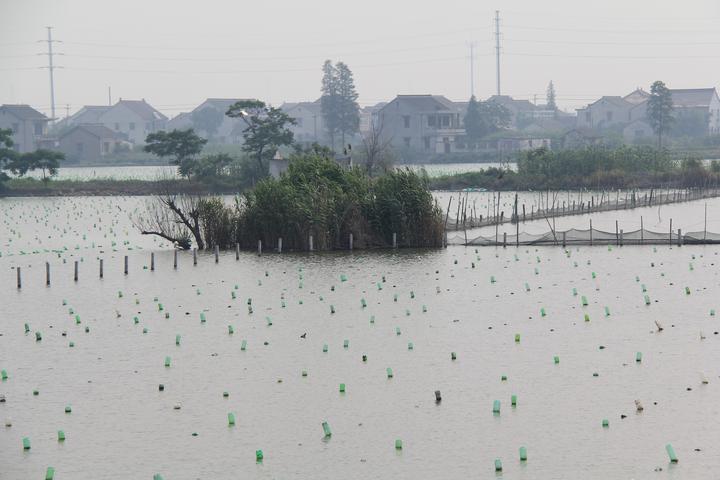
{"x": 476, "y": 301}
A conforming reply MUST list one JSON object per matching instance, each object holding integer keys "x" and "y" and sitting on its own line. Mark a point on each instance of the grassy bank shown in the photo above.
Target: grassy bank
{"x": 591, "y": 168}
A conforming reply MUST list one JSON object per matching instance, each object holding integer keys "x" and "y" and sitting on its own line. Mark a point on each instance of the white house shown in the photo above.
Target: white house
{"x": 429, "y": 123}
{"x": 136, "y": 119}
{"x": 704, "y": 101}
{"x": 29, "y": 127}
{"x": 309, "y": 124}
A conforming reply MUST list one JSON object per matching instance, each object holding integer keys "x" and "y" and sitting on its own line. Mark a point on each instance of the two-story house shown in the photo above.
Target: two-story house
{"x": 29, "y": 127}
{"x": 89, "y": 114}
{"x": 309, "y": 123}
{"x": 429, "y": 123}
{"x": 604, "y": 113}
{"x": 90, "y": 142}
{"x": 703, "y": 102}
{"x": 136, "y": 119}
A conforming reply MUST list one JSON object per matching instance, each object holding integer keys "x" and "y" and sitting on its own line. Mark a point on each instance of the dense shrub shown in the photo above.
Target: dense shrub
{"x": 318, "y": 197}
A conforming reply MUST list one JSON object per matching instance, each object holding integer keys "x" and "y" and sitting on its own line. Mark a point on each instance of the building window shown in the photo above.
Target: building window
{"x": 609, "y": 116}
{"x": 427, "y": 143}
{"x": 431, "y": 120}
{"x": 132, "y": 126}
{"x": 407, "y": 141}
{"x": 38, "y": 128}
{"x": 406, "y": 121}
{"x": 445, "y": 120}
{"x": 106, "y": 147}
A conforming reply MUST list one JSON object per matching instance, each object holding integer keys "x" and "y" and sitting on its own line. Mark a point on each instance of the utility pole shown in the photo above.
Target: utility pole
{"x": 109, "y": 97}
{"x": 497, "y": 48}
{"x": 51, "y": 68}
{"x": 472, "y": 69}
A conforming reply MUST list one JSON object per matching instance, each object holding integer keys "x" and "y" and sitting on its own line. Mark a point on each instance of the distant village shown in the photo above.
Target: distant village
{"x": 416, "y": 126}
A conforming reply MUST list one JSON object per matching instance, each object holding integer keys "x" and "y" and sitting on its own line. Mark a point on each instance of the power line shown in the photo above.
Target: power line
{"x": 295, "y": 45}
{"x": 633, "y": 31}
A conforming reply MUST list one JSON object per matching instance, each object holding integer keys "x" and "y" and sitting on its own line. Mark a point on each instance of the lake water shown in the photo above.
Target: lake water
{"x": 121, "y": 426}
{"x": 152, "y": 172}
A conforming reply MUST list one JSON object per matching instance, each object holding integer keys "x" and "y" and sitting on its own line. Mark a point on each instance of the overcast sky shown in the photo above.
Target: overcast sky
{"x": 175, "y": 53}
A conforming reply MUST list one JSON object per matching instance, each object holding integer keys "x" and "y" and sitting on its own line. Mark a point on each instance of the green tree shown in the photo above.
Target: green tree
{"x": 484, "y": 118}
{"x": 349, "y": 110}
{"x": 7, "y": 154}
{"x": 551, "y": 105}
{"x": 330, "y": 101}
{"x": 660, "y": 110}
{"x": 46, "y": 160}
{"x": 207, "y": 120}
{"x": 181, "y": 145}
{"x": 266, "y": 131}
{"x": 474, "y": 123}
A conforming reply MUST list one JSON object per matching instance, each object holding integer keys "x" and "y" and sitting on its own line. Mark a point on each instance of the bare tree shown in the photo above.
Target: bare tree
{"x": 375, "y": 146}
{"x": 173, "y": 217}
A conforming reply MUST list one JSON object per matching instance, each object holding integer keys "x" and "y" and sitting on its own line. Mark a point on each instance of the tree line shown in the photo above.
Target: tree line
{"x": 47, "y": 161}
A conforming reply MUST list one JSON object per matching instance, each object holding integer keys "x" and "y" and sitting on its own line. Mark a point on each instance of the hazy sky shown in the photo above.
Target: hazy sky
{"x": 175, "y": 53}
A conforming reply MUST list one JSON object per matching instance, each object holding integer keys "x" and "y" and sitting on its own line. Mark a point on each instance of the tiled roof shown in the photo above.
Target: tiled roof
{"x": 23, "y": 112}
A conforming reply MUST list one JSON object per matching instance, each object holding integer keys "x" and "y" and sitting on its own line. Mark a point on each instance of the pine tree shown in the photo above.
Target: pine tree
{"x": 330, "y": 101}
{"x": 659, "y": 110}
{"x": 551, "y": 105}
{"x": 348, "y": 111}
{"x": 474, "y": 124}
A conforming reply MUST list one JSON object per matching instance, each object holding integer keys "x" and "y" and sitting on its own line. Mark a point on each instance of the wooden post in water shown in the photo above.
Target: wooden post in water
{"x": 312, "y": 247}
{"x": 617, "y": 235}
{"x": 175, "y": 259}
{"x": 642, "y": 231}
{"x": 47, "y": 274}
{"x": 564, "y": 237}
{"x": 237, "y": 251}
{"x": 194, "y": 256}
{"x": 705, "y": 225}
{"x": 259, "y": 247}
{"x": 504, "y": 239}
{"x": 591, "y": 232}
{"x": 523, "y": 213}
{"x": 680, "y": 241}
{"x": 621, "y": 238}
{"x": 152, "y": 261}
{"x": 76, "y": 271}
{"x": 126, "y": 264}
{"x": 279, "y": 246}
{"x": 19, "y": 278}
{"x": 394, "y": 240}
{"x": 217, "y": 254}
{"x": 351, "y": 241}
{"x": 670, "y": 241}
{"x": 102, "y": 273}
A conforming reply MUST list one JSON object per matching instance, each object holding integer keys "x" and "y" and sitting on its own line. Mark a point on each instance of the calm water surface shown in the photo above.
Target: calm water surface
{"x": 122, "y": 426}
{"x": 152, "y": 172}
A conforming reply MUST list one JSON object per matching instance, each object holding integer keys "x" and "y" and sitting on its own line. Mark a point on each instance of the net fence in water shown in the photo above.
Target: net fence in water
{"x": 589, "y": 237}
